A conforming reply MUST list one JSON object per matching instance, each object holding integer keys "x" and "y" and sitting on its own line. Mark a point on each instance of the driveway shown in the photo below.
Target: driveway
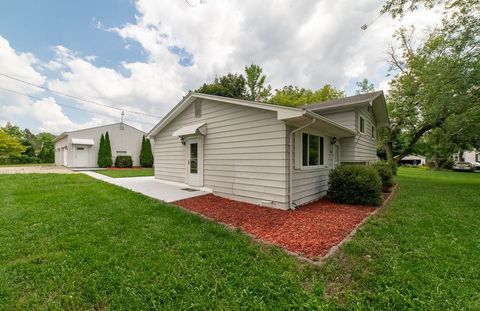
{"x": 34, "y": 169}
{"x": 151, "y": 187}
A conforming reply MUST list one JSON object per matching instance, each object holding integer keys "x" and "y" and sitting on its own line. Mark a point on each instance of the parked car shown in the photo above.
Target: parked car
{"x": 476, "y": 165}
{"x": 463, "y": 166}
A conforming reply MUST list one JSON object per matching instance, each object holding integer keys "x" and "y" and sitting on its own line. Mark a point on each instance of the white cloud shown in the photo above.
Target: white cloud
{"x": 306, "y": 43}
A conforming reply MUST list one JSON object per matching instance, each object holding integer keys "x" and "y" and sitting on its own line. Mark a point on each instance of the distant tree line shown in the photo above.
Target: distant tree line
{"x": 21, "y": 146}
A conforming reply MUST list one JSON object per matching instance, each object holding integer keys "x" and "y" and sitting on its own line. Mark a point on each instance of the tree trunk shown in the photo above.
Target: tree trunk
{"x": 389, "y": 151}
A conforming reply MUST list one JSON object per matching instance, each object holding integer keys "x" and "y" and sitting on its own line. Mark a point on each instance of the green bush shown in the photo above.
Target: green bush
{"x": 123, "y": 161}
{"x": 104, "y": 152}
{"x": 146, "y": 155}
{"x": 355, "y": 184}
{"x": 393, "y": 166}
{"x": 385, "y": 172}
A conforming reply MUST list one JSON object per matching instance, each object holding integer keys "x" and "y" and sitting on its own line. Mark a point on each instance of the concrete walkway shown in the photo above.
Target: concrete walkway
{"x": 150, "y": 186}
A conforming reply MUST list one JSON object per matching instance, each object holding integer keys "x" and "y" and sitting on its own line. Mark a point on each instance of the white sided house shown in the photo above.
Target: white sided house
{"x": 79, "y": 149}
{"x": 264, "y": 154}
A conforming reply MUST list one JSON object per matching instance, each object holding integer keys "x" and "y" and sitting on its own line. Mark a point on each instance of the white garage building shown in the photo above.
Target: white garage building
{"x": 77, "y": 149}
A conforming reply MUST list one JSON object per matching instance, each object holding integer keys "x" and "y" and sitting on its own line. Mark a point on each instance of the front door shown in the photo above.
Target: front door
{"x": 336, "y": 155}
{"x": 81, "y": 156}
{"x": 194, "y": 161}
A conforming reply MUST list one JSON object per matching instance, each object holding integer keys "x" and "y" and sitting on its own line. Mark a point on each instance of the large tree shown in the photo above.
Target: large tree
{"x": 9, "y": 145}
{"x": 230, "y": 85}
{"x": 364, "y": 86}
{"x": 294, "y": 96}
{"x": 437, "y": 81}
{"x": 256, "y": 89}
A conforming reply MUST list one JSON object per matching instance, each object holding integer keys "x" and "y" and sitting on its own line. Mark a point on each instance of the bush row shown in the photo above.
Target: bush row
{"x": 360, "y": 184}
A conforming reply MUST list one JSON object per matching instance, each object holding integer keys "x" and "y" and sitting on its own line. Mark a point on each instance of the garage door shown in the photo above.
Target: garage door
{"x": 81, "y": 156}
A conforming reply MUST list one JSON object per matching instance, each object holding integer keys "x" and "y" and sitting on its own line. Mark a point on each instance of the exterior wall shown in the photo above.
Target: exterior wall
{"x": 310, "y": 184}
{"x": 244, "y": 152}
{"x": 471, "y": 156}
{"x": 361, "y": 148}
{"x": 365, "y": 145}
{"x": 59, "y": 147}
{"x": 129, "y": 139}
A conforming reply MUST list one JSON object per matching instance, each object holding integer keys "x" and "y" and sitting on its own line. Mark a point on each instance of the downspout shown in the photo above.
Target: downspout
{"x": 290, "y": 175}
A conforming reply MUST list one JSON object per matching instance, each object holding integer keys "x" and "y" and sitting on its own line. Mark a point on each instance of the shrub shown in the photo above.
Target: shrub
{"x": 384, "y": 170}
{"x": 146, "y": 156}
{"x": 104, "y": 152}
{"x": 393, "y": 166}
{"x": 355, "y": 184}
{"x": 123, "y": 161}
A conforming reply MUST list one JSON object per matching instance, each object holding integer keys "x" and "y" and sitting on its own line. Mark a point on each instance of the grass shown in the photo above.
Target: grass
{"x": 26, "y": 164}
{"x": 134, "y": 172}
{"x": 72, "y": 242}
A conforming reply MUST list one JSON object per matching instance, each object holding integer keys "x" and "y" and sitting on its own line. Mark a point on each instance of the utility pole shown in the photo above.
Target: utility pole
{"x": 123, "y": 114}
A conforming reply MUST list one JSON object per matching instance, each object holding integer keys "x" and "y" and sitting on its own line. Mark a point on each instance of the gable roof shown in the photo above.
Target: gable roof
{"x": 374, "y": 99}
{"x": 283, "y": 112}
{"x": 62, "y": 135}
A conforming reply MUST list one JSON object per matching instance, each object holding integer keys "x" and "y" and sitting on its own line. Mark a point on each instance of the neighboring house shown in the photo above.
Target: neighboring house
{"x": 264, "y": 154}
{"x": 80, "y": 148}
{"x": 413, "y": 159}
{"x": 468, "y": 156}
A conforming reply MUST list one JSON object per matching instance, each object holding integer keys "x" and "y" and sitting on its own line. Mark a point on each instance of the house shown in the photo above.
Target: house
{"x": 413, "y": 159}
{"x": 77, "y": 149}
{"x": 468, "y": 156}
{"x": 265, "y": 154}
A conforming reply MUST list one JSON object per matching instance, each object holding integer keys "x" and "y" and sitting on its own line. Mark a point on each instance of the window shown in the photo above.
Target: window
{"x": 198, "y": 109}
{"x": 121, "y": 152}
{"x": 312, "y": 150}
{"x": 477, "y": 157}
{"x": 362, "y": 125}
{"x": 373, "y": 131}
{"x": 80, "y": 148}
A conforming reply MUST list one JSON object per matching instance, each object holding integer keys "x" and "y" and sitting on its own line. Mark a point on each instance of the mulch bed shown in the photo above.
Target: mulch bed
{"x": 311, "y": 230}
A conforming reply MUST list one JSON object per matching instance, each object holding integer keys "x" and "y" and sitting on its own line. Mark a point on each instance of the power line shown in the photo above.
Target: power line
{"x": 76, "y": 97}
{"x": 72, "y": 107}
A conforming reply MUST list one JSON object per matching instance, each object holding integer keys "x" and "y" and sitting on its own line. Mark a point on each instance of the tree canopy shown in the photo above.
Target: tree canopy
{"x": 294, "y": 96}
{"x": 9, "y": 145}
{"x": 436, "y": 85}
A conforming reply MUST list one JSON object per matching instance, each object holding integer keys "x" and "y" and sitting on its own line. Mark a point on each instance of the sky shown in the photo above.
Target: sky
{"x": 143, "y": 56}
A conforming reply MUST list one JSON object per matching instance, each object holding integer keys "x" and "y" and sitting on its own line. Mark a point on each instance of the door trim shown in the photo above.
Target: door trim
{"x": 200, "y": 155}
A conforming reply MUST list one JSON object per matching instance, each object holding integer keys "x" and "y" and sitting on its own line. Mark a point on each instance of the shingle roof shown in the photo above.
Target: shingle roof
{"x": 338, "y": 103}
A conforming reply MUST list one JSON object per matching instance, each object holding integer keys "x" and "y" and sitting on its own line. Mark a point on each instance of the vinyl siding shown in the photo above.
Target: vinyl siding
{"x": 361, "y": 148}
{"x": 310, "y": 184}
{"x": 365, "y": 145}
{"x": 244, "y": 152}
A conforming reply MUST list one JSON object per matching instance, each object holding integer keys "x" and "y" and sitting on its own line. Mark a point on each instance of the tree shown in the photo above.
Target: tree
{"x": 230, "y": 85}
{"x": 436, "y": 85}
{"x": 104, "y": 159}
{"x": 294, "y": 96}
{"x": 47, "y": 153}
{"x": 146, "y": 156}
{"x": 108, "y": 150}
{"x": 255, "y": 84}
{"x": 364, "y": 87}
{"x": 9, "y": 145}
{"x": 13, "y": 131}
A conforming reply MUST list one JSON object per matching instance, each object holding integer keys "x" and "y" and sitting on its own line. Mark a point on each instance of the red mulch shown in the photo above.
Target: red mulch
{"x": 310, "y": 230}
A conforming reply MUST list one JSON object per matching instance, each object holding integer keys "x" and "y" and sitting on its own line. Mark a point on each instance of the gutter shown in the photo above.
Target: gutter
{"x": 290, "y": 175}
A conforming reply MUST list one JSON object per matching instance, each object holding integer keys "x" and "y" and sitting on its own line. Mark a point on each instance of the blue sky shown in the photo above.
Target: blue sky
{"x": 144, "y": 55}
{"x": 36, "y": 26}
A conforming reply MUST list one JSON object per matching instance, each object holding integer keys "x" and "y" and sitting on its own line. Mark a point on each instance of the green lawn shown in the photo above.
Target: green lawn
{"x": 134, "y": 172}
{"x": 27, "y": 164}
{"x": 72, "y": 242}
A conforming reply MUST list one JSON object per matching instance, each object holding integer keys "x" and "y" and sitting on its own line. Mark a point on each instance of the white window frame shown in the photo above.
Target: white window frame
{"x": 360, "y": 129}
{"x": 374, "y": 132}
{"x": 299, "y": 153}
